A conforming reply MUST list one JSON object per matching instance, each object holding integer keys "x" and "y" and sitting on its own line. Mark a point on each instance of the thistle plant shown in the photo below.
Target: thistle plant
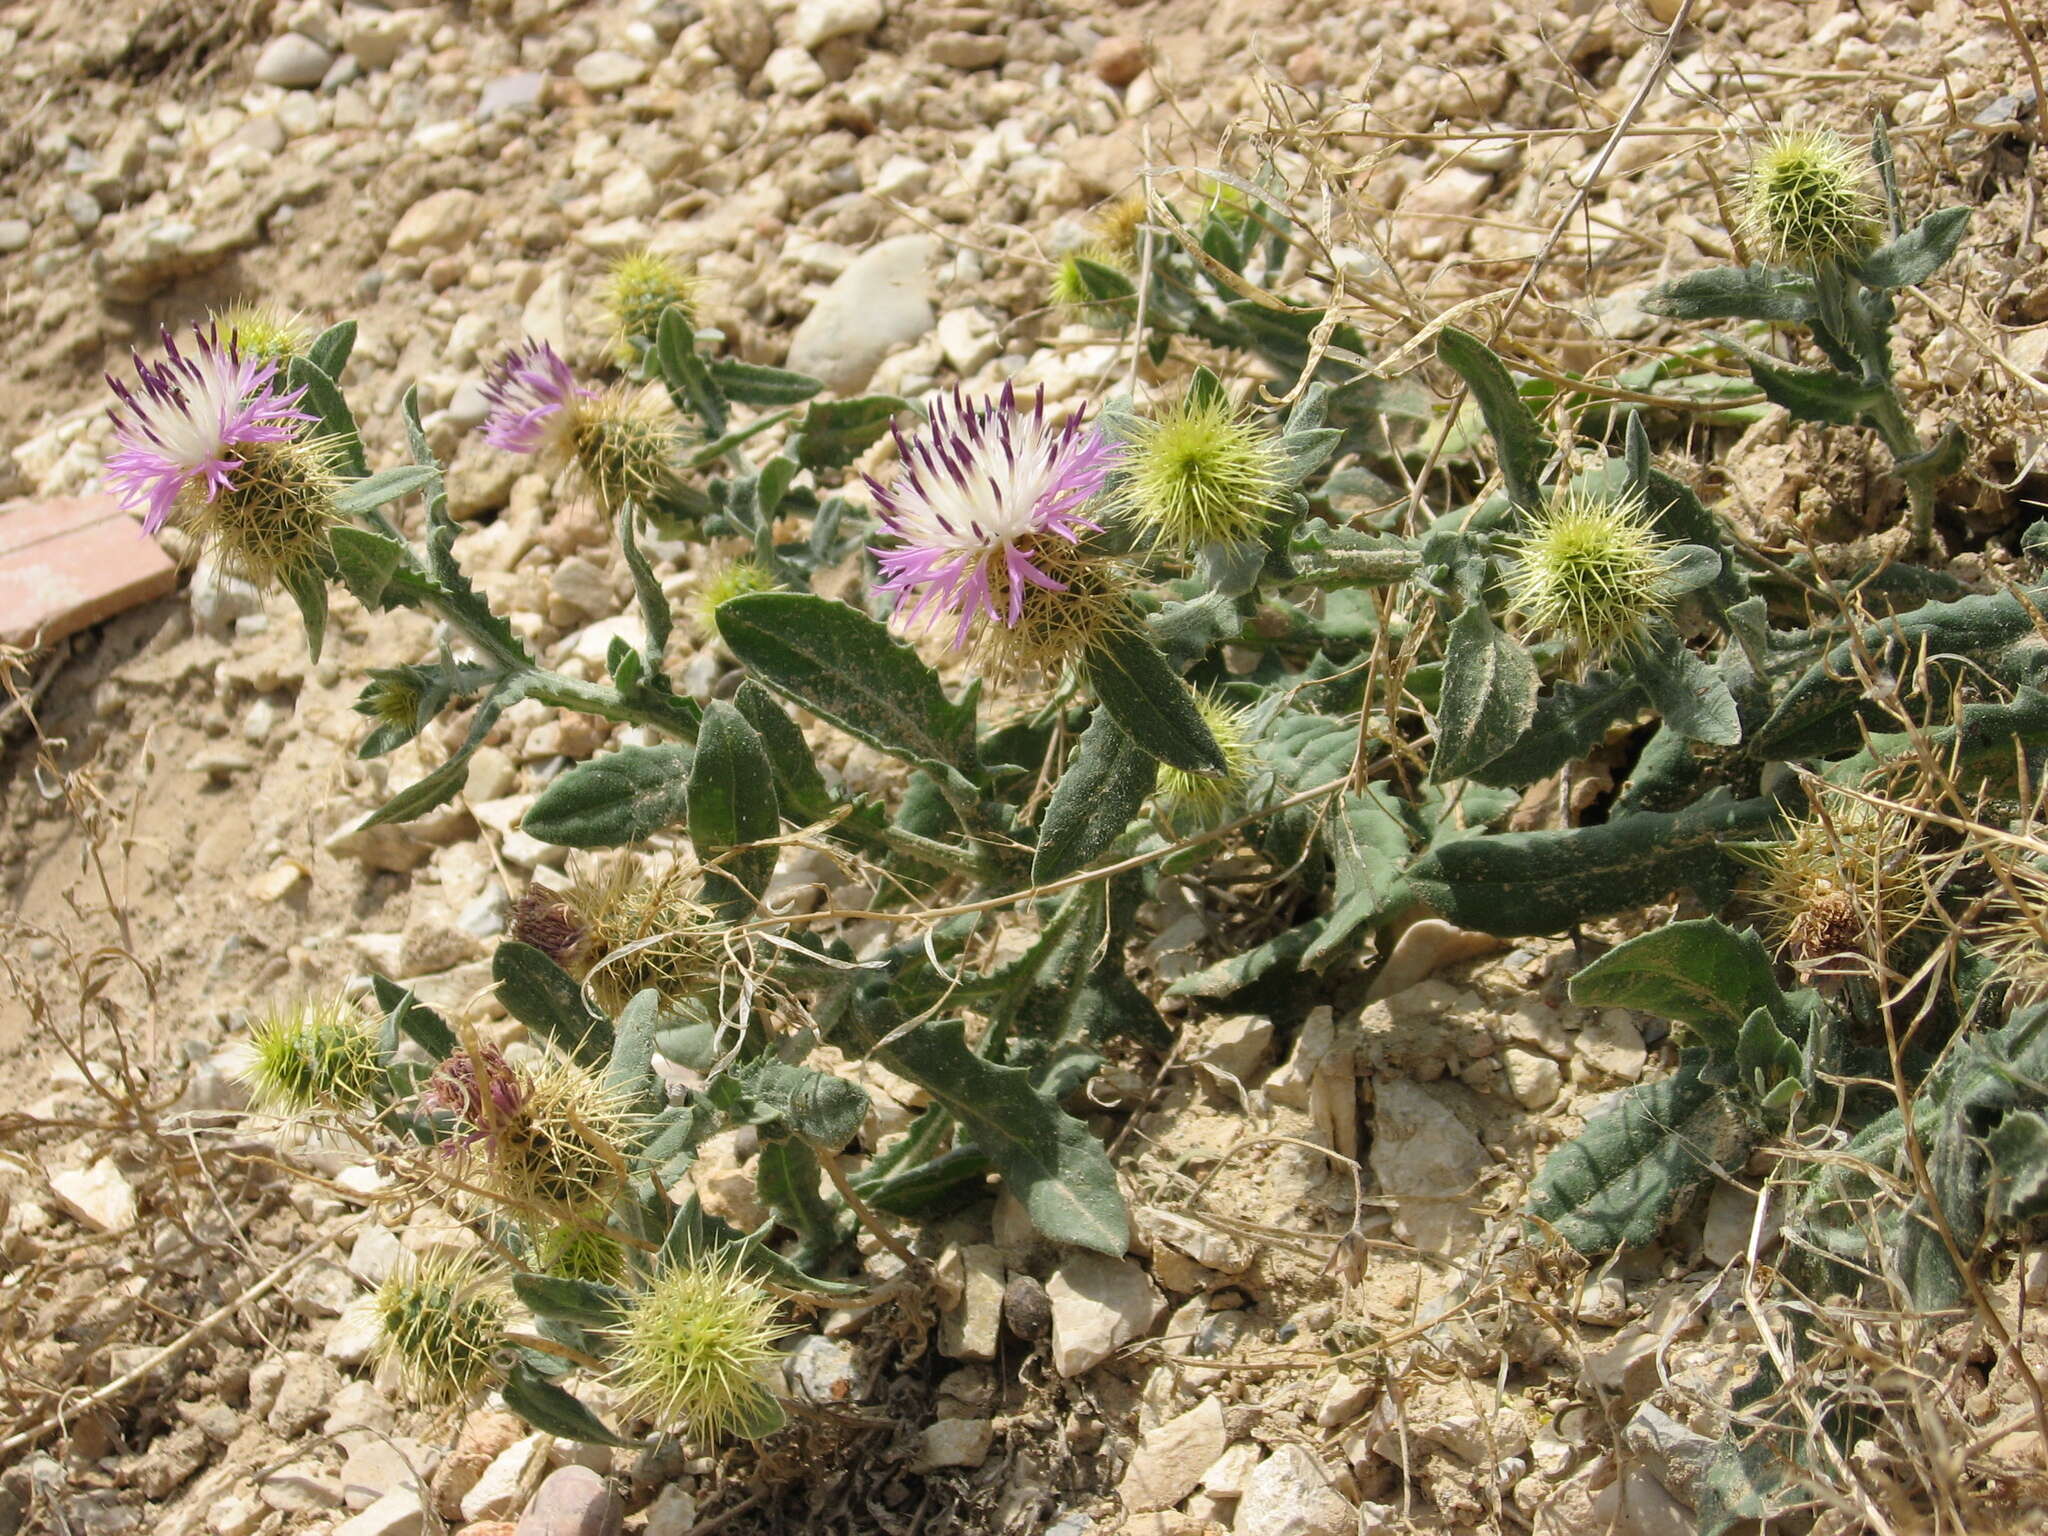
{"x": 1835, "y": 249}
{"x": 1101, "y": 649}
{"x": 639, "y": 289}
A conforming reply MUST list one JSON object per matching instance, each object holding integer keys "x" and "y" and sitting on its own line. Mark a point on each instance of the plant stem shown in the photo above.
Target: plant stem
{"x": 1896, "y": 428}
{"x": 861, "y": 1209}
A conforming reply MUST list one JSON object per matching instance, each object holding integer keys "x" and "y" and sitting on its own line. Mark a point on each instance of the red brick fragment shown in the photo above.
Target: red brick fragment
{"x": 68, "y": 563}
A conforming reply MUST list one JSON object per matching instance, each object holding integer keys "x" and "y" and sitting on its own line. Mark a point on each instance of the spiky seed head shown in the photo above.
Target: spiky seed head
{"x": 721, "y": 584}
{"x": 1590, "y": 570}
{"x": 640, "y": 287}
{"x": 1198, "y": 801}
{"x": 441, "y": 1324}
{"x": 1119, "y": 225}
{"x": 1073, "y": 289}
{"x": 264, "y": 332}
{"x": 1202, "y": 473}
{"x": 580, "y": 1250}
{"x": 1055, "y": 628}
{"x": 695, "y": 1346}
{"x": 1807, "y": 200}
{"x": 270, "y": 524}
{"x": 316, "y": 1053}
{"x": 2014, "y": 932}
{"x": 642, "y": 927}
{"x": 1846, "y": 878}
{"x": 625, "y": 445}
{"x": 543, "y": 919}
{"x": 560, "y": 1151}
{"x": 397, "y": 697}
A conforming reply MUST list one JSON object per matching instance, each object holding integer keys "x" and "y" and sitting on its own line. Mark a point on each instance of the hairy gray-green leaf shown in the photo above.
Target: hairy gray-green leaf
{"x": 619, "y": 798}
{"x": 1520, "y": 883}
{"x": 545, "y": 998}
{"x": 732, "y": 805}
{"x": 1773, "y": 294}
{"x": 1622, "y": 1179}
{"x": 1918, "y": 254}
{"x": 1522, "y": 447}
{"x": 1692, "y": 697}
{"x": 1149, "y": 700}
{"x": 1701, "y": 973}
{"x": 548, "y": 1407}
{"x": 1104, "y": 786}
{"x": 1489, "y": 695}
{"x": 844, "y": 666}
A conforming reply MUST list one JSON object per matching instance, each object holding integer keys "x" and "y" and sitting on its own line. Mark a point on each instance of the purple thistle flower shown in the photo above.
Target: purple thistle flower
{"x": 188, "y": 414}
{"x": 478, "y": 1088}
{"x": 530, "y": 384}
{"x": 976, "y": 491}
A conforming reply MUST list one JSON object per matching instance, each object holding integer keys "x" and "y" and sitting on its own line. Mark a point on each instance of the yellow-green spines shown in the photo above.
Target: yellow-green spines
{"x": 441, "y": 1324}
{"x": 1590, "y": 570}
{"x": 1202, "y": 473}
{"x": 639, "y": 925}
{"x": 694, "y": 1348}
{"x": 1198, "y": 801}
{"x": 1075, "y": 288}
{"x": 637, "y": 291}
{"x": 1119, "y": 228}
{"x": 1807, "y": 200}
{"x": 313, "y": 1054}
{"x": 272, "y": 520}
{"x": 580, "y": 1250}
{"x": 2015, "y": 930}
{"x": 1847, "y": 879}
{"x": 625, "y": 445}
{"x": 721, "y": 584}
{"x": 263, "y": 331}
{"x": 561, "y": 1149}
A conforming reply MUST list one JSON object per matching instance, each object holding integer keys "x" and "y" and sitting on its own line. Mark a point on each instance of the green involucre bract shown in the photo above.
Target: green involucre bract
{"x": 317, "y": 1053}
{"x": 695, "y": 1346}
{"x": 1807, "y": 200}
{"x": 1590, "y": 570}
{"x": 1201, "y": 473}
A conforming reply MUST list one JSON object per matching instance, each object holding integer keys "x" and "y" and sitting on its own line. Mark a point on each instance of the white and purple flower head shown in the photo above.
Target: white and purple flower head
{"x": 528, "y": 391}
{"x": 186, "y": 418}
{"x": 979, "y": 488}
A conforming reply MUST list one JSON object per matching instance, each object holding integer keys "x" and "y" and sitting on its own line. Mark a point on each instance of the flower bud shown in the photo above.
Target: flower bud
{"x": 263, "y": 332}
{"x": 1590, "y": 570}
{"x": 1196, "y": 801}
{"x": 1807, "y": 201}
{"x": 1201, "y": 473}
{"x": 1074, "y": 287}
{"x": 441, "y": 1324}
{"x": 625, "y": 444}
{"x": 638, "y": 290}
{"x": 721, "y": 584}
{"x": 313, "y": 1054}
{"x": 270, "y": 523}
{"x": 580, "y": 1250}
{"x": 695, "y": 1347}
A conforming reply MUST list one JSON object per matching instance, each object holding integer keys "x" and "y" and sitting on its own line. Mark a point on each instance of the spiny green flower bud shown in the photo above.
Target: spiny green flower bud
{"x": 580, "y": 1250}
{"x": 1195, "y": 801}
{"x": 695, "y": 1348}
{"x": 270, "y": 523}
{"x": 1202, "y": 473}
{"x": 1119, "y": 226}
{"x": 639, "y": 288}
{"x": 1075, "y": 287}
{"x": 1807, "y": 201}
{"x": 721, "y": 584}
{"x": 441, "y": 1324}
{"x": 625, "y": 444}
{"x": 318, "y": 1053}
{"x": 263, "y": 332}
{"x": 1844, "y": 879}
{"x": 1590, "y": 570}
